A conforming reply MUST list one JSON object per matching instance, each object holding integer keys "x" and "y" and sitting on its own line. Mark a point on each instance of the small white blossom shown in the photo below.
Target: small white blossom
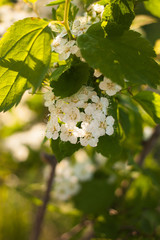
{"x": 109, "y": 130}
{"x": 110, "y": 87}
{"x": 53, "y": 129}
{"x": 110, "y": 120}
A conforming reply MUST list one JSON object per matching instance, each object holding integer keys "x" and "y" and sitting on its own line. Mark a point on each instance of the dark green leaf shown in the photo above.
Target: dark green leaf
{"x": 62, "y": 149}
{"x": 118, "y": 15}
{"x": 109, "y": 146}
{"x": 126, "y": 57}
{"x": 124, "y": 120}
{"x": 59, "y": 71}
{"x": 95, "y": 196}
{"x": 24, "y": 59}
{"x": 150, "y": 102}
{"x": 71, "y": 80}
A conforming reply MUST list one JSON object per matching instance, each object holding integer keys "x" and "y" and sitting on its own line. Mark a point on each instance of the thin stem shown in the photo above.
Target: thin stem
{"x": 148, "y": 146}
{"x": 65, "y": 20}
{"x": 42, "y": 209}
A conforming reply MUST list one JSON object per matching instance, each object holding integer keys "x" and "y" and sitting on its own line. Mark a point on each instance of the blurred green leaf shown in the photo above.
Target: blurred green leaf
{"x": 94, "y": 197}
{"x": 150, "y": 102}
{"x": 153, "y": 6}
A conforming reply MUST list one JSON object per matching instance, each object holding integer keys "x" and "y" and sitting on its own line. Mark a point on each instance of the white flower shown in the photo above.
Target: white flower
{"x": 90, "y": 135}
{"x": 72, "y": 115}
{"x": 109, "y": 130}
{"x": 91, "y": 107}
{"x": 97, "y": 73}
{"x": 53, "y": 129}
{"x": 80, "y": 26}
{"x": 49, "y": 98}
{"x": 58, "y": 43}
{"x": 84, "y": 170}
{"x": 110, "y": 87}
{"x": 70, "y": 133}
{"x": 67, "y": 49}
{"x": 110, "y": 120}
{"x": 98, "y": 8}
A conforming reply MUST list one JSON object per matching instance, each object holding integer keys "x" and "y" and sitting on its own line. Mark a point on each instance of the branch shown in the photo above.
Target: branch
{"x": 42, "y": 209}
{"x": 75, "y": 230}
{"x": 148, "y": 146}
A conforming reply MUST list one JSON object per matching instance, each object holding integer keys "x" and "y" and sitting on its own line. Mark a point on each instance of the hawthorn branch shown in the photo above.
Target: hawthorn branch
{"x": 148, "y": 146}
{"x": 50, "y": 159}
{"x": 75, "y": 230}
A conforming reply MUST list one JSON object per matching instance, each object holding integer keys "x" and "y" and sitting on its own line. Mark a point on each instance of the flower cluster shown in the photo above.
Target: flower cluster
{"x": 68, "y": 176}
{"x": 80, "y": 118}
{"x": 62, "y": 45}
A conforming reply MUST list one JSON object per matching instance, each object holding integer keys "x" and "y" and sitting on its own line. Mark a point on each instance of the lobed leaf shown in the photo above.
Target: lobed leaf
{"x": 125, "y": 57}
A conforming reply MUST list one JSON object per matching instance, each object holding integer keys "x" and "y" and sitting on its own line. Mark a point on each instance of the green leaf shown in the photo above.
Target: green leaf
{"x": 109, "y": 146}
{"x": 24, "y": 59}
{"x": 150, "y": 102}
{"x": 56, "y": 2}
{"x": 59, "y": 71}
{"x": 124, "y": 120}
{"x": 71, "y": 80}
{"x": 62, "y": 149}
{"x": 153, "y": 6}
{"x": 118, "y": 15}
{"x": 95, "y": 196}
{"x": 125, "y": 57}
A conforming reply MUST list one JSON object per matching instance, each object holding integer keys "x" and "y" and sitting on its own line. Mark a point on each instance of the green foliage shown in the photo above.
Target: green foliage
{"x": 71, "y": 80}
{"x": 109, "y": 146}
{"x": 24, "y": 59}
{"x": 150, "y": 102}
{"x": 62, "y": 149}
{"x": 72, "y": 12}
{"x": 153, "y": 6}
{"x": 88, "y": 201}
{"x": 57, "y": 2}
{"x": 121, "y": 199}
{"x": 59, "y": 71}
{"x": 118, "y": 16}
{"x": 120, "y": 58}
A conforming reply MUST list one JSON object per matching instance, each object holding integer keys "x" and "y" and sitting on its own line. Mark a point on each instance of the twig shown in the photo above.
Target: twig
{"x": 148, "y": 146}
{"x": 75, "y": 230}
{"x": 42, "y": 209}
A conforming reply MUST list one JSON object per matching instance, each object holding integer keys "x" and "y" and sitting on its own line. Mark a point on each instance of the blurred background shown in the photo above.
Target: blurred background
{"x": 126, "y": 202}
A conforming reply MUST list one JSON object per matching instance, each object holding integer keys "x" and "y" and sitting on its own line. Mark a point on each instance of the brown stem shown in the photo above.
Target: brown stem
{"x": 42, "y": 209}
{"x": 148, "y": 145}
{"x": 75, "y": 230}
